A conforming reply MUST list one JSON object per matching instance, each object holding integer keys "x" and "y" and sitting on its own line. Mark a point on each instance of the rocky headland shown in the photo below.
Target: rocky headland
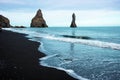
{"x": 4, "y": 22}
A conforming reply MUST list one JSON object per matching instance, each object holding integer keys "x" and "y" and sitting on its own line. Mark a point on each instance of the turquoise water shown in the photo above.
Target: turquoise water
{"x": 97, "y": 58}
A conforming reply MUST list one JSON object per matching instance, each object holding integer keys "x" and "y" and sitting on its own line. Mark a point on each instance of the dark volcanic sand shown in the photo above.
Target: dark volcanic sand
{"x": 19, "y": 60}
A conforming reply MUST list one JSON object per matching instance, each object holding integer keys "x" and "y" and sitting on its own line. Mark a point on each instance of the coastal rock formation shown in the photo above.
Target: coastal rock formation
{"x": 4, "y": 22}
{"x": 38, "y": 20}
{"x": 73, "y": 24}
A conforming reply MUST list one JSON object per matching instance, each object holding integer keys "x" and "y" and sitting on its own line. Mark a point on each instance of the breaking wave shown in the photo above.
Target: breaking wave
{"x": 89, "y": 42}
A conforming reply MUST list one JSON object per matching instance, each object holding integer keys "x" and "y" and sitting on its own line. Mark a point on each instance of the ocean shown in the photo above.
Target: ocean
{"x": 95, "y": 58}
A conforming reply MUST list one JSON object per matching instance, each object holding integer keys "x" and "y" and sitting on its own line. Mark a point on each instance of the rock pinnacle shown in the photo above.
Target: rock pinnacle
{"x": 73, "y": 24}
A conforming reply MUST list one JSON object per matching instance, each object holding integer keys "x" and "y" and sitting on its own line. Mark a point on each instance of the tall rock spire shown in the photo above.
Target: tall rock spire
{"x": 73, "y": 24}
{"x": 38, "y": 20}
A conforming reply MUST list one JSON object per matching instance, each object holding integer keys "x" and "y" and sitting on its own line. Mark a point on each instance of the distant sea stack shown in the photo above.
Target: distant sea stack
{"x": 4, "y": 22}
{"x": 38, "y": 20}
{"x": 73, "y": 24}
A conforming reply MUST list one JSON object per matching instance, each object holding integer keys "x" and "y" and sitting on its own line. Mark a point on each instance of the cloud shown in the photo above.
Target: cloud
{"x": 18, "y": 18}
{"x": 62, "y": 4}
{"x": 11, "y": 2}
{"x": 98, "y": 18}
{"x": 80, "y": 4}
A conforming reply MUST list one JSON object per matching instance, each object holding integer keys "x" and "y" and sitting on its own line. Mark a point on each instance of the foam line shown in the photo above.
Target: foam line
{"x": 87, "y": 42}
{"x": 68, "y": 71}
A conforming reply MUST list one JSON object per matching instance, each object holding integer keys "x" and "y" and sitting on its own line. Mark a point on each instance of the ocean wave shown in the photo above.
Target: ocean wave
{"x": 89, "y": 42}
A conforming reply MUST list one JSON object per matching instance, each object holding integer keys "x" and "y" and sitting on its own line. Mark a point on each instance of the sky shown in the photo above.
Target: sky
{"x": 59, "y": 12}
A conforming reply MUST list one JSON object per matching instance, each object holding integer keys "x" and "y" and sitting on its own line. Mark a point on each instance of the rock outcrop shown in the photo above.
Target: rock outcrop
{"x": 73, "y": 24}
{"x": 38, "y": 20}
{"x": 4, "y": 22}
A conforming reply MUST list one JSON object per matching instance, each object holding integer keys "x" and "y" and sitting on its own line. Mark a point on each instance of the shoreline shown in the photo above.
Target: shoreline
{"x": 19, "y": 60}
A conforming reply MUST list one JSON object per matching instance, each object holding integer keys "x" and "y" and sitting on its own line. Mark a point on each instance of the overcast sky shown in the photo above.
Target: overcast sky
{"x": 58, "y": 12}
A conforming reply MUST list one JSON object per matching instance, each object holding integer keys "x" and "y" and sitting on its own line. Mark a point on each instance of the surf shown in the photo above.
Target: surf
{"x": 85, "y": 40}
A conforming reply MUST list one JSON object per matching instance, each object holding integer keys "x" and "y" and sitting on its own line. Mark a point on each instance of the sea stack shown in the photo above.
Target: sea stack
{"x": 73, "y": 24}
{"x": 38, "y": 20}
{"x": 4, "y": 22}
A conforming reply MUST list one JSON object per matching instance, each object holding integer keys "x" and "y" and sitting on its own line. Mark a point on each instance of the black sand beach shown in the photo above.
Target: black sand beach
{"x": 19, "y": 60}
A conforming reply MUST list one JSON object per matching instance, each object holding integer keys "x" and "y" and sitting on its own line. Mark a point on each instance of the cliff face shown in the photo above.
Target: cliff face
{"x": 73, "y": 24}
{"x": 4, "y": 22}
{"x": 38, "y": 20}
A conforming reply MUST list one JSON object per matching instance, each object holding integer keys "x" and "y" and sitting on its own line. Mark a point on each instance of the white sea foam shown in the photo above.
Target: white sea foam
{"x": 68, "y": 71}
{"x": 87, "y": 42}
